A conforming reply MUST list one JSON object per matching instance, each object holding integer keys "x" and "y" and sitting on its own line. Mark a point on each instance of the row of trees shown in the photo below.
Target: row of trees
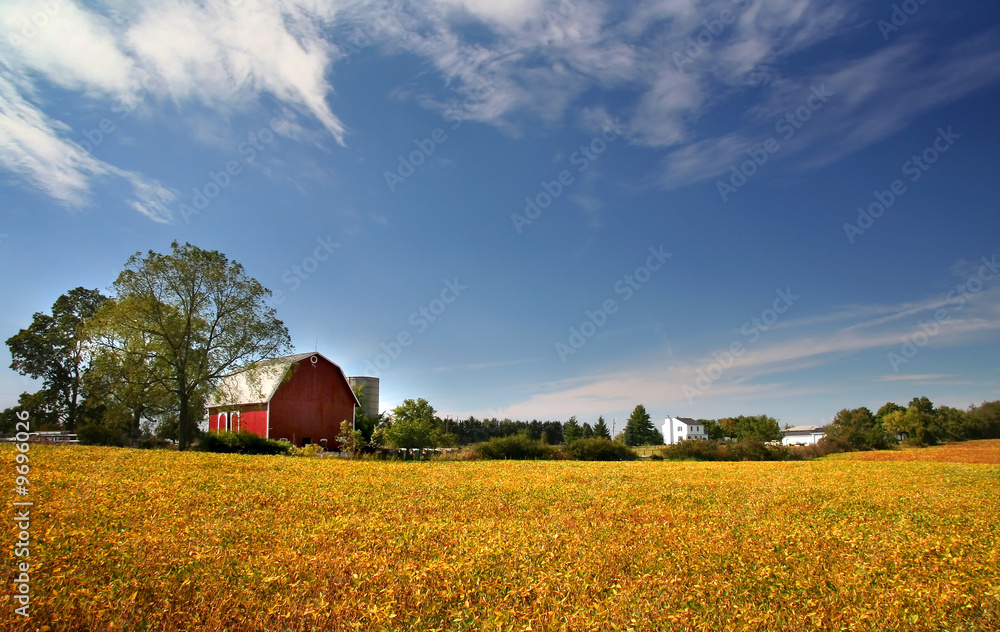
{"x": 152, "y": 352}
{"x": 414, "y": 424}
{"x": 919, "y": 423}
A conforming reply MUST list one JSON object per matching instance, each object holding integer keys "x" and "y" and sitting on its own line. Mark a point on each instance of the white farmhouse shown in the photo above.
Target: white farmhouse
{"x": 680, "y": 428}
{"x": 802, "y": 435}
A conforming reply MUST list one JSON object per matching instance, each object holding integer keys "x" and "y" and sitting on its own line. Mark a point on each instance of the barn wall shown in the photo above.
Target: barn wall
{"x": 252, "y": 417}
{"x": 311, "y": 404}
{"x": 254, "y": 420}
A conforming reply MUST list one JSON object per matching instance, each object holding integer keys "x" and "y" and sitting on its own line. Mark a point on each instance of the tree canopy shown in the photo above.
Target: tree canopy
{"x": 639, "y": 429}
{"x": 601, "y": 429}
{"x": 753, "y": 427}
{"x": 572, "y": 430}
{"x": 54, "y": 348}
{"x": 413, "y": 424}
{"x": 859, "y": 428}
{"x": 201, "y": 315}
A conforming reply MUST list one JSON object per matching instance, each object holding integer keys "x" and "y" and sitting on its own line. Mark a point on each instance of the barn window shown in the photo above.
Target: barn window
{"x": 306, "y": 441}
{"x": 235, "y": 421}
{"x": 224, "y": 421}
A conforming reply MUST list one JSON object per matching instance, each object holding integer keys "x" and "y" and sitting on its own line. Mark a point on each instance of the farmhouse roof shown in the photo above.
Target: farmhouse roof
{"x": 803, "y": 430}
{"x": 686, "y": 420}
{"x": 259, "y": 383}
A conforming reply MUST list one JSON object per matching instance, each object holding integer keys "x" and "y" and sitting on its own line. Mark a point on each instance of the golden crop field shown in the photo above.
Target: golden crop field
{"x": 987, "y": 451}
{"x": 158, "y": 540}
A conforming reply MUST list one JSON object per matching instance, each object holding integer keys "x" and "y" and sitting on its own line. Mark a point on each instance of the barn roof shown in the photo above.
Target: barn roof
{"x": 261, "y": 380}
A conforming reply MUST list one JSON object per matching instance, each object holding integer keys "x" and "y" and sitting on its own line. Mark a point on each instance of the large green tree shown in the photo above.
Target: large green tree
{"x": 203, "y": 315}
{"x": 713, "y": 430}
{"x": 860, "y": 429}
{"x": 887, "y": 408}
{"x": 125, "y": 384}
{"x": 920, "y": 422}
{"x": 601, "y": 429}
{"x": 984, "y": 421}
{"x": 572, "y": 430}
{"x": 639, "y": 429}
{"x": 753, "y": 427}
{"x": 955, "y": 423}
{"x": 54, "y": 348}
{"x": 758, "y": 428}
{"x": 413, "y": 425}
{"x": 41, "y": 413}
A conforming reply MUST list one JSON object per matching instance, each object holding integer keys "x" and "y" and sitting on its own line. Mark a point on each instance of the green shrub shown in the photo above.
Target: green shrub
{"x": 693, "y": 450}
{"x": 518, "y": 446}
{"x": 95, "y": 433}
{"x": 754, "y": 450}
{"x": 242, "y": 442}
{"x": 600, "y": 449}
{"x": 313, "y": 449}
{"x": 745, "y": 450}
{"x": 826, "y": 445}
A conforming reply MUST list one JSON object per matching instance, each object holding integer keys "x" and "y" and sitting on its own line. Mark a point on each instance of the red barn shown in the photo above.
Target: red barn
{"x": 302, "y": 398}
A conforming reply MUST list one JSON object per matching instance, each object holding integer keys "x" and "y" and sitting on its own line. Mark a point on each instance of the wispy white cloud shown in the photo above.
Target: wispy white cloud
{"x": 805, "y": 344}
{"x": 220, "y": 54}
{"x": 874, "y": 96}
{"x": 914, "y": 377}
{"x": 478, "y": 366}
{"x": 540, "y": 60}
{"x": 35, "y": 147}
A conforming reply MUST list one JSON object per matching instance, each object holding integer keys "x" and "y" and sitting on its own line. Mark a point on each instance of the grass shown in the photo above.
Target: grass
{"x": 647, "y": 450}
{"x": 159, "y": 540}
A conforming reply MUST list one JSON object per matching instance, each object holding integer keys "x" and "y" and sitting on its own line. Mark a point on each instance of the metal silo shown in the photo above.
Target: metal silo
{"x": 370, "y": 399}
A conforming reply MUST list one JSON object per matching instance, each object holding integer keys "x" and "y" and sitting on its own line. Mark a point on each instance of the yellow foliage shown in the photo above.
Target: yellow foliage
{"x": 162, "y": 540}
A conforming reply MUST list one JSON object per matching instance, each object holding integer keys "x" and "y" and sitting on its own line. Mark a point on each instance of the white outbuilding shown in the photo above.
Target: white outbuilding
{"x": 680, "y": 428}
{"x": 802, "y": 435}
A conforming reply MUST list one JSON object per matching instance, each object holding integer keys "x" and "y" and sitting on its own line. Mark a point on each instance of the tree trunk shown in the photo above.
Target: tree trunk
{"x": 184, "y": 421}
{"x": 137, "y": 424}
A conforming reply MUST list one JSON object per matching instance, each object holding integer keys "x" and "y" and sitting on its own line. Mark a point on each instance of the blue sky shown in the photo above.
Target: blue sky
{"x": 531, "y": 209}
